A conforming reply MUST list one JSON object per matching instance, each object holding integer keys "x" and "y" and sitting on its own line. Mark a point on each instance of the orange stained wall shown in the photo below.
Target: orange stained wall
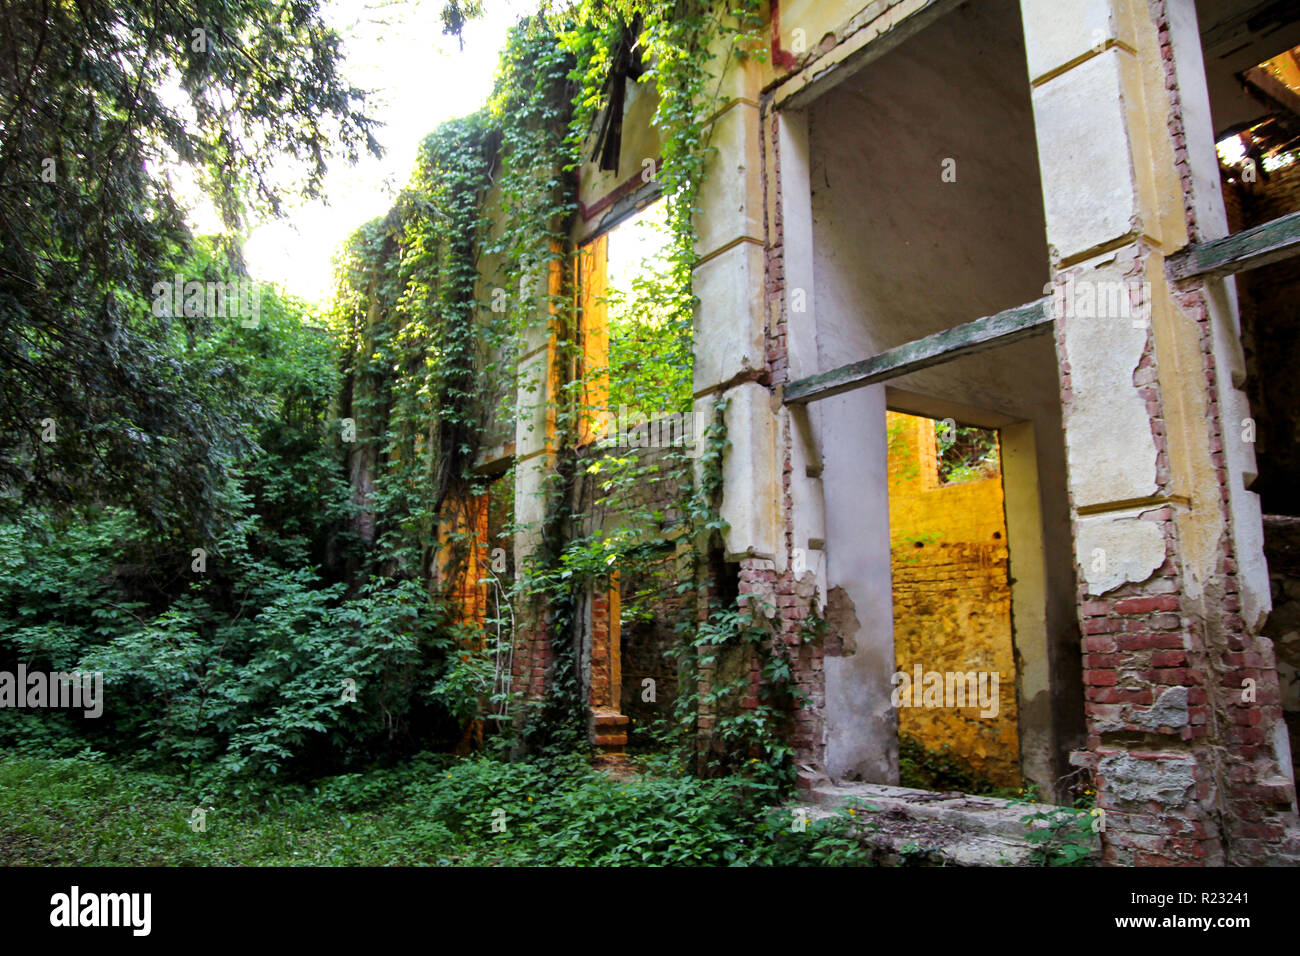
{"x": 593, "y": 328}
{"x": 952, "y": 598}
{"x": 463, "y": 561}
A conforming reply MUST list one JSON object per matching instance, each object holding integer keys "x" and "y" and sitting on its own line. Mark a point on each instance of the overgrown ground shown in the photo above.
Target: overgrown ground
{"x": 433, "y": 810}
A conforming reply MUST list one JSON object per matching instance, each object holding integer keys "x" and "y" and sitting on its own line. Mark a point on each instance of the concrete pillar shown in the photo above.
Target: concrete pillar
{"x": 535, "y": 447}
{"x": 1158, "y": 520}
{"x": 730, "y": 319}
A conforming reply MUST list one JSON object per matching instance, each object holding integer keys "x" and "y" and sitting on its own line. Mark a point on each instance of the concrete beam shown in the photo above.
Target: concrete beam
{"x": 1249, "y": 249}
{"x": 992, "y": 331}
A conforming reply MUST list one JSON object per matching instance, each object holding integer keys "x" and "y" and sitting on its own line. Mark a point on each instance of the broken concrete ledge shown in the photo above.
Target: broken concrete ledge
{"x": 906, "y": 826}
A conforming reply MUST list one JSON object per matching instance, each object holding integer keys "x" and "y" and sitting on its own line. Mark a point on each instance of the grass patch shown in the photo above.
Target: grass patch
{"x": 433, "y": 810}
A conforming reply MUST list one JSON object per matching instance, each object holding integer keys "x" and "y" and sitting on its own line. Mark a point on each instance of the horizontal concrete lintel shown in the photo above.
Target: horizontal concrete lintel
{"x": 992, "y": 331}
{"x": 858, "y": 46}
{"x": 1134, "y": 504}
{"x": 495, "y": 459}
{"x": 622, "y": 208}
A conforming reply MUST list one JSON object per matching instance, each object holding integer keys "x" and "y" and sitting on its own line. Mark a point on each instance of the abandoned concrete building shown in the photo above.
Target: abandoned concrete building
{"x": 1017, "y": 220}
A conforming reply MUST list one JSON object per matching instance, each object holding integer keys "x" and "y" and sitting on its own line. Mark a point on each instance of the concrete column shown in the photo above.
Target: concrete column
{"x": 1151, "y": 500}
{"x": 730, "y": 319}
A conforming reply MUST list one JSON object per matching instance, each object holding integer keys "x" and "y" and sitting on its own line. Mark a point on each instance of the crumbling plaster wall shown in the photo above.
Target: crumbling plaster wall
{"x": 898, "y": 254}
{"x": 1167, "y": 536}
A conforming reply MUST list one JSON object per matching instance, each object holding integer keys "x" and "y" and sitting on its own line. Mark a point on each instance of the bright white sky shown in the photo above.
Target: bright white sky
{"x": 633, "y": 242}
{"x": 419, "y": 78}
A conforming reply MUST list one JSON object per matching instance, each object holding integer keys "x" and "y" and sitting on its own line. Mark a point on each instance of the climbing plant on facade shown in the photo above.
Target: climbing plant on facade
{"x": 472, "y": 271}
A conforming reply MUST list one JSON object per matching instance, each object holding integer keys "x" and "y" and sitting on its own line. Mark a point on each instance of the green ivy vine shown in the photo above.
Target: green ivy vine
{"x": 440, "y": 299}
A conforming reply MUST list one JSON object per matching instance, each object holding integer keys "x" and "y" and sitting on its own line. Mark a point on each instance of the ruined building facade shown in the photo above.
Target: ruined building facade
{"x": 1007, "y": 214}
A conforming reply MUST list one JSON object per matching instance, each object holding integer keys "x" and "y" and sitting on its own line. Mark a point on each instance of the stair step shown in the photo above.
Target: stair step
{"x": 940, "y": 828}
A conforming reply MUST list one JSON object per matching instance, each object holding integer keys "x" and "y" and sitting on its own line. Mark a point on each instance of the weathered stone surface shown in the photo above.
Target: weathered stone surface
{"x": 751, "y": 472}
{"x": 1169, "y": 710}
{"x": 1083, "y": 148}
{"x": 807, "y": 499}
{"x": 1163, "y": 778}
{"x": 1131, "y": 549}
{"x": 530, "y": 508}
{"x": 1111, "y": 451}
{"x": 949, "y": 829}
{"x": 1061, "y": 31}
{"x": 729, "y": 319}
{"x": 842, "y": 624}
{"x": 731, "y": 196}
{"x": 534, "y": 396}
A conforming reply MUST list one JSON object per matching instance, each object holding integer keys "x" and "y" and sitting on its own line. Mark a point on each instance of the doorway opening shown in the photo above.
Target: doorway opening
{"x": 954, "y": 654}
{"x": 633, "y": 383}
{"x": 926, "y": 224}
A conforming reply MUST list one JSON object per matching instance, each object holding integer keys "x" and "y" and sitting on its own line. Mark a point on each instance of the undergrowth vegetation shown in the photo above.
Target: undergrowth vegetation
{"x": 285, "y": 664}
{"x": 939, "y": 769}
{"x": 431, "y": 810}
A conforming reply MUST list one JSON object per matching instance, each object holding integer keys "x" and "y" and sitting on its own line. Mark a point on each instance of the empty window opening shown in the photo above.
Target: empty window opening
{"x": 964, "y": 452}
{"x": 634, "y": 380}
{"x": 636, "y": 354}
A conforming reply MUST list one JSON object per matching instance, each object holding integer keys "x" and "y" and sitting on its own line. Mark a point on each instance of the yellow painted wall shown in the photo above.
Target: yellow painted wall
{"x": 593, "y": 332}
{"x": 952, "y": 598}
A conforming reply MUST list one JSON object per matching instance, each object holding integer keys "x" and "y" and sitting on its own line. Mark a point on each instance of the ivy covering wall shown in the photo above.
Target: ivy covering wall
{"x": 473, "y": 267}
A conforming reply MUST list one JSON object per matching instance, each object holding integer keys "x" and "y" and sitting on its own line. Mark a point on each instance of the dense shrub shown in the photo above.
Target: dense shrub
{"x": 277, "y": 650}
{"x": 432, "y": 809}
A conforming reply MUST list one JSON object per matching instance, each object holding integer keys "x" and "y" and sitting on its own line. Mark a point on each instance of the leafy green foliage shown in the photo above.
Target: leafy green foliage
{"x": 324, "y": 553}
{"x": 231, "y": 666}
{"x": 408, "y": 310}
{"x": 650, "y": 336}
{"x": 966, "y": 452}
{"x": 89, "y": 224}
{"x": 1063, "y": 836}
{"x": 432, "y": 810}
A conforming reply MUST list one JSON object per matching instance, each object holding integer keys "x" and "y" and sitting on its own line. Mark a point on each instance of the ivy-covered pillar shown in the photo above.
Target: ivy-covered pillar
{"x": 741, "y": 357}
{"x": 537, "y": 395}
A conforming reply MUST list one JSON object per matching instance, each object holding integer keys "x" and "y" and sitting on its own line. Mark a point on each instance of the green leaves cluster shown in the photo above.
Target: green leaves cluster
{"x": 233, "y": 670}
{"x": 101, "y": 99}
{"x": 1063, "y": 836}
{"x": 433, "y": 810}
{"x": 939, "y": 770}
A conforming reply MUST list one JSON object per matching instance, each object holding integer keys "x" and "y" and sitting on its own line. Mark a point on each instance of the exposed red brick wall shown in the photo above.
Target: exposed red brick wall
{"x": 532, "y": 657}
{"x": 601, "y": 674}
{"x": 1184, "y": 766}
{"x": 794, "y": 596}
{"x": 651, "y": 612}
